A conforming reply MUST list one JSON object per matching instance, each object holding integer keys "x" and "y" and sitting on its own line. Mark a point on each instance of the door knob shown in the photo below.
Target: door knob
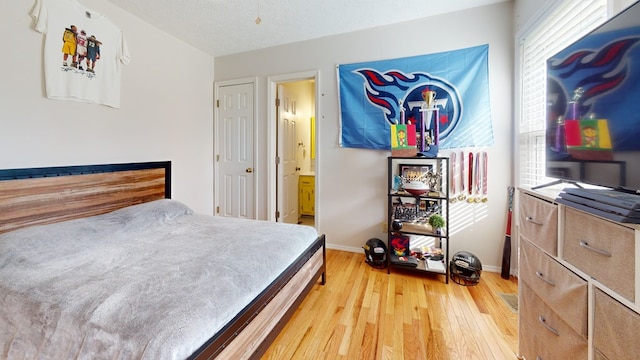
{"x": 249, "y": 170}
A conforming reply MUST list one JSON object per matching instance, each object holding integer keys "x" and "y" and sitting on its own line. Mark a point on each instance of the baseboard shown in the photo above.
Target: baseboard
{"x": 345, "y": 248}
{"x": 494, "y": 269}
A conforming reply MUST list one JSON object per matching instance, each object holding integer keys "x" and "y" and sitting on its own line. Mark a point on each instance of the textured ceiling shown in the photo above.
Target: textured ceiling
{"x": 223, "y": 27}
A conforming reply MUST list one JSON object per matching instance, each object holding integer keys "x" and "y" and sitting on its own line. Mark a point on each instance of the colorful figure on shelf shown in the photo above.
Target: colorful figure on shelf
{"x": 402, "y": 138}
{"x": 590, "y": 136}
{"x": 400, "y": 245}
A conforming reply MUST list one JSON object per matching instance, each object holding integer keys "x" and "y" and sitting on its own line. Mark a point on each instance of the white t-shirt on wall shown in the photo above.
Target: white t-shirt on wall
{"x": 83, "y": 52}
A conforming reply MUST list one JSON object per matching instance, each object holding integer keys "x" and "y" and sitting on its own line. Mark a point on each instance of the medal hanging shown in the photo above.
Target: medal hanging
{"x": 462, "y": 195}
{"x": 452, "y": 194}
{"x": 478, "y": 178}
{"x": 470, "y": 174}
{"x": 485, "y": 169}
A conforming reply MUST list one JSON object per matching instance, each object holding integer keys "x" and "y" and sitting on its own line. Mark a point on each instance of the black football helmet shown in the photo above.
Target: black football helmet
{"x": 465, "y": 268}
{"x": 375, "y": 253}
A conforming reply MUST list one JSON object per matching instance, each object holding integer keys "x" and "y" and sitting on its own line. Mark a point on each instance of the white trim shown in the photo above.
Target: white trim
{"x": 339, "y": 107}
{"x": 272, "y": 83}
{"x": 256, "y": 159}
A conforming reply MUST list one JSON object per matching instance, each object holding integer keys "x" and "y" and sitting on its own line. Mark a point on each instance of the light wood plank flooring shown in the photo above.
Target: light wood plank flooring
{"x": 363, "y": 313}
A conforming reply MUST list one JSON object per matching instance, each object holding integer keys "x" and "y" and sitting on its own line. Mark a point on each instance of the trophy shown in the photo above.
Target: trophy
{"x": 429, "y": 96}
{"x": 573, "y": 104}
{"x": 429, "y": 148}
{"x": 561, "y": 140}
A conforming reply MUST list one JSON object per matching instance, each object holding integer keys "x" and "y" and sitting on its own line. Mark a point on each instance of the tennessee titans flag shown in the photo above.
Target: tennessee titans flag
{"x": 372, "y": 95}
{"x": 604, "y": 67}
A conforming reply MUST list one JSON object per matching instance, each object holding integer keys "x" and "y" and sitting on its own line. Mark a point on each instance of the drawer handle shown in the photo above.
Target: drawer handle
{"x": 531, "y": 220}
{"x": 544, "y": 323}
{"x": 586, "y": 245}
{"x": 541, "y": 277}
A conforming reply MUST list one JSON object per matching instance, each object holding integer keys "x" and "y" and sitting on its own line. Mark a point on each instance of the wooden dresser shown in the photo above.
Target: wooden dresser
{"x": 578, "y": 282}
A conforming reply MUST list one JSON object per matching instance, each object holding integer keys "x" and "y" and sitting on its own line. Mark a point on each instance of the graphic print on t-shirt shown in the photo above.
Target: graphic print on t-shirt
{"x": 79, "y": 52}
{"x": 87, "y": 65}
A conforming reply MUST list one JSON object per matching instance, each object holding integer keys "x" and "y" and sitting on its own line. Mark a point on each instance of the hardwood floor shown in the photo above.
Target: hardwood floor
{"x": 363, "y": 313}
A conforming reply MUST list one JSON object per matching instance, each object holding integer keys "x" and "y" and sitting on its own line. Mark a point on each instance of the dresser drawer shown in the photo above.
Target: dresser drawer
{"x": 552, "y": 334}
{"x": 538, "y": 221}
{"x": 616, "y": 329}
{"x": 563, "y": 291}
{"x": 530, "y": 347}
{"x": 602, "y": 249}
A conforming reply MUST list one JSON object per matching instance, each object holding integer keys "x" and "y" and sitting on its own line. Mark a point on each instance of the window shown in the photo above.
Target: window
{"x": 556, "y": 29}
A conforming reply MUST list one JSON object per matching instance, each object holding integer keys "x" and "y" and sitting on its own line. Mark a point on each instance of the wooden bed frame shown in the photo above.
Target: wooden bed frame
{"x": 36, "y": 196}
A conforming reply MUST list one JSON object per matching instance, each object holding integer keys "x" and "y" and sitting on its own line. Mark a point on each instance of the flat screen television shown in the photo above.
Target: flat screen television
{"x": 593, "y": 107}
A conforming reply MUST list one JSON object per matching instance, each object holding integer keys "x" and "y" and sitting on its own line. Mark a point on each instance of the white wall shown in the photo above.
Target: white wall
{"x": 166, "y": 111}
{"x": 352, "y": 185}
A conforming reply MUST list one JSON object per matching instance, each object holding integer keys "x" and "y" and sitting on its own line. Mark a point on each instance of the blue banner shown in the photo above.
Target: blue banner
{"x": 374, "y": 95}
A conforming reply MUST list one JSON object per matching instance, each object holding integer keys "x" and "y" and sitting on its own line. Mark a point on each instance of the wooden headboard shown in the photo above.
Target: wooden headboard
{"x": 46, "y": 195}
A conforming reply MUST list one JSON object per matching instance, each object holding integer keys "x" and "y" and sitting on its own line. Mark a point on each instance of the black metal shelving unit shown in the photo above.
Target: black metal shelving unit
{"x": 412, "y": 212}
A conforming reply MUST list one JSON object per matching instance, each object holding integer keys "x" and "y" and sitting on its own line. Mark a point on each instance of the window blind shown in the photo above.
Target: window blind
{"x": 566, "y": 23}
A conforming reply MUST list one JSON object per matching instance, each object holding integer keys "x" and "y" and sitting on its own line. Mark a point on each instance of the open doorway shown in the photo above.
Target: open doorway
{"x": 293, "y": 174}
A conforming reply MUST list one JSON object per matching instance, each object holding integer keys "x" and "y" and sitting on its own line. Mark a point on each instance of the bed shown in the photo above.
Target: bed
{"x": 98, "y": 262}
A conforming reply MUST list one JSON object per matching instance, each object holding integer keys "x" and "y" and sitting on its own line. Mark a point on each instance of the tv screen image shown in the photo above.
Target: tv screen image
{"x": 593, "y": 106}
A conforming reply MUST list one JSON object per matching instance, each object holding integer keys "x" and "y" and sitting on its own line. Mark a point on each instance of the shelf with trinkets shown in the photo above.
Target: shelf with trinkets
{"x": 418, "y": 196}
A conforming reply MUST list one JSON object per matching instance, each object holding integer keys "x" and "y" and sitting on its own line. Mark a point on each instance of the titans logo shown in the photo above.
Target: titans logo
{"x": 392, "y": 89}
{"x": 597, "y": 73}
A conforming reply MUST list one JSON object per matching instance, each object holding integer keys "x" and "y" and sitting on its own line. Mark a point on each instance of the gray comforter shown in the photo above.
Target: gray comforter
{"x": 151, "y": 281}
